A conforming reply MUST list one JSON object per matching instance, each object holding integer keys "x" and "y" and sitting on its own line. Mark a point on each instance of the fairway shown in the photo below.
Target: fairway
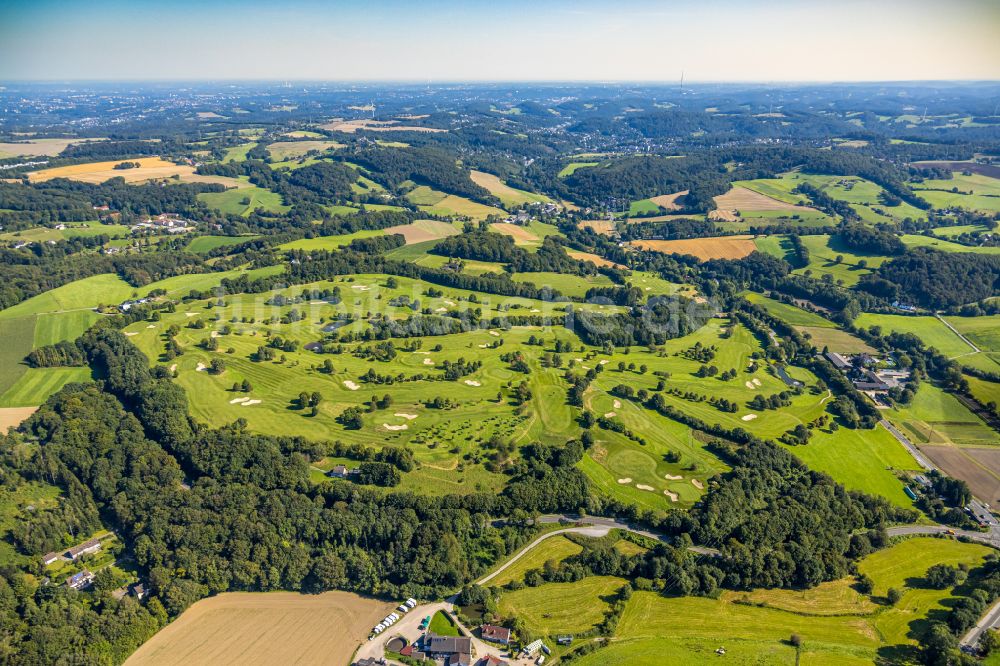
{"x": 790, "y": 314}
{"x": 254, "y": 629}
{"x": 244, "y": 200}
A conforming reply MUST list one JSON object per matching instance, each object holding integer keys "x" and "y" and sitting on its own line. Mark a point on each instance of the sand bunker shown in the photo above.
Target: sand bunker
{"x": 235, "y": 400}
{"x": 428, "y": 361}
{"x": 749, "y": 385}
{"x": 618, "y": 404}
{"x": 625, "y": 480}
{"x": 250, "y": 402}
{"x": 201, "y": 366}
{"x": 472, "y": 382}
{"x": 672, "y": 496}
{"x": 351, "y": 385}
{"x": 404, "y": 415}
{"x": 173, "y": 368}
{"x": 756, "y": 382}
{"x": 605, "y": 362}
{"x": 190, "y": 314}
{"x": 697, "y": 484}
{"x": 643, "y": 487}
{"x": 749, "y": 417}
{"x": 130, "y": 333}
{"x": 494, "y": 333}
{"x": 483, "y": 346}
{"x": 440, "y": 309}
{"x": 360, "y": 287}
{"x": 535, "y": 310}
{"x": 609, "y": 415}
{"x": 395, "y": 427}
{"x": 448, "y": 303}
{"x": 151, "y": 326}
{"x": 671, "y": 477}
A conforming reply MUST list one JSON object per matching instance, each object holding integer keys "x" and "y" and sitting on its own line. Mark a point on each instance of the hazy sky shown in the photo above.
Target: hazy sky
{"x": 710, "y": 40}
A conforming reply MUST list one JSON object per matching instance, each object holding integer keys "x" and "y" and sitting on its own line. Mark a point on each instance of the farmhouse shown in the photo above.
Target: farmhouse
{"x": 49, "y": 558}
{"x": 453, "y": 650}
{"x": 85, "y": 548}
{"x": 495, "y": 634}
{"x": 342, "y": 472}
{"x": 838, "y": 361}
{"x": 79, "y": 581}
{"x": 137, "y": 590}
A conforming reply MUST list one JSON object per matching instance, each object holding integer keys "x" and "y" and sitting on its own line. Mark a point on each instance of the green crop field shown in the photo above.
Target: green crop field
{"x": 984, "y": 332}
{"x": 557, "y": 608}
{"x": 929, "y": 329}
{"x": 18, "y": 336}
{"x": 571, "y": 168}
{"x": 35, "y": 385}
{"x": 834, "y": 339}
{"x": 238, "y": 153}
{"x": 55, "y": 327}
{"x": 203, "y": 244}
{"x": 642, "y": 207}
{"x": 823, "y": 253}
{"x": 937, "y": 417}
{"x": 865, "y": 460}
{"x": 974, "y": 192}
{"x": 81, "y": 294}
{"x": 329, "y": 242}
{"x": 914, "y": 240}
{"x": 789, "y": 313}
{"x": 556, "y": 548}
{"x": 244, "y": 200}
{"x": 567, "y": 284}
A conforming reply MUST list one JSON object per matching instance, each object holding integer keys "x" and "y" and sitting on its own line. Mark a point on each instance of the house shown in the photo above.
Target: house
{"x": 49, "y": 558}
{"x": 79, "y": 581}
{"x": 137, "y": 590}
{"x": 370, "y": 661}
{"x": 453, "y": 650}
{"x": 341, "y": 472}
{"x": 85, "y": 548}
{"x": 495, "y": 634}
{"x": 490, "y": 660}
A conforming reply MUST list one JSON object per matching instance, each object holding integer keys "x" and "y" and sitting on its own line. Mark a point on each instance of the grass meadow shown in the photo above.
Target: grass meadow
{"x": 929, "y": 329}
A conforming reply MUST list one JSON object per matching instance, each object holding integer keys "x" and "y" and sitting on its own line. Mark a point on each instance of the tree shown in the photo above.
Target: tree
{"x": 938, "y": 645}
{"x": 893, "y": 596}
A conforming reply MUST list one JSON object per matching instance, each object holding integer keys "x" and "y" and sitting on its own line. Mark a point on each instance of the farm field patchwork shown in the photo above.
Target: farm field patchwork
{"x": 937, "y": 418}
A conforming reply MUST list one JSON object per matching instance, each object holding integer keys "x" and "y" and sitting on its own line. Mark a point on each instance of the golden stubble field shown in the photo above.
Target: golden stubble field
{"x": 98, "y": 172}
{"x": 721, "y": 247}
{"x": 258, "y": 629}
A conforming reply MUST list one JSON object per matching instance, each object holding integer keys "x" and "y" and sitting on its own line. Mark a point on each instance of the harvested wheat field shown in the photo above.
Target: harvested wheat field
{"x": 741, "y": 198}
{"x": 668, "y": 201}
{"x": 225, "y": 181}
{"x": 370, "y": 125}
{"x": 721, "y": 247}
{"x": 723, "y": 216}
{"x": 286, "y": 150}
{"x": 604, "y": 227}
{"x": 594, "y": 259}
{"x": 423, "y": 230}
{"x": 11, "y": 417}
{"x": 979, "y": 467}
{"x": 519, "y": 234}
{"x": 98, "y": 172}
{"x": 39, "y": 147}
{"x": 250, "y": 628}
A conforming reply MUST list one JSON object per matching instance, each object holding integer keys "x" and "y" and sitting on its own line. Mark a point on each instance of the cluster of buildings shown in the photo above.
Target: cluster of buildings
{"x": 524, "y": 216}
{"x": 74, "y": 553}
{"x": 171, "y": 223}
{"x": 869, "y": 374}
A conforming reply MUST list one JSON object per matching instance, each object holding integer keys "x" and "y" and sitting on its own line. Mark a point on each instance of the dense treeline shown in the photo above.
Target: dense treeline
{"x": 935, "y": 280}
{"x": 424, "y": 166}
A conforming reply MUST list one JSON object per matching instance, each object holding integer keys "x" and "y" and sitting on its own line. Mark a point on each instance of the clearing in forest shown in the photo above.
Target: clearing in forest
{"x": 423, "y": 230}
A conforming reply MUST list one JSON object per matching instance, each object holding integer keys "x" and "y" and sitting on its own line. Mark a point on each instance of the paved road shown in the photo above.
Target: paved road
{"x": 611, "y": 523}
{"x": 592, "y": 531}
{"x": 988, "y": 621}
{"x": 991, "y": 538}
{"x": 917, "y": 455}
